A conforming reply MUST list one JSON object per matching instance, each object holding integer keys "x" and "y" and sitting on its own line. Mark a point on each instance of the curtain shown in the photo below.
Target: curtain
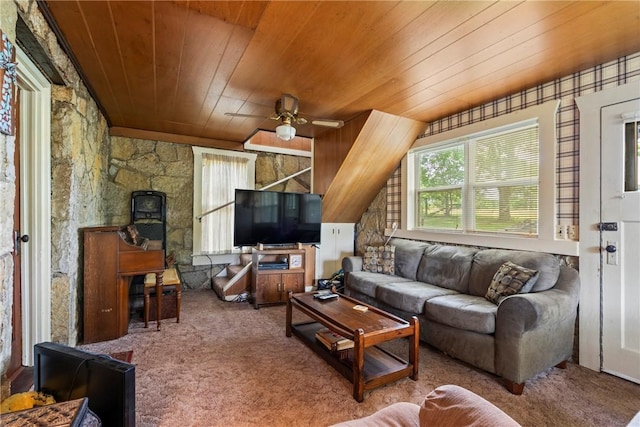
{"x": 221, "y": 175}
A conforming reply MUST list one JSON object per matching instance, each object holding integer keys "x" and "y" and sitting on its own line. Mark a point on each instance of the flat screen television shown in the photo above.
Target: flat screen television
{"x": 68, "y": 373}
{"x": 276, "y": 218}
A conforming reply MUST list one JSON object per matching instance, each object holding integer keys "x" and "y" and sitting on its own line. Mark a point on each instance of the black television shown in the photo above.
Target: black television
{"x": 276, "y": 218}
{"x": 68, "y": 373}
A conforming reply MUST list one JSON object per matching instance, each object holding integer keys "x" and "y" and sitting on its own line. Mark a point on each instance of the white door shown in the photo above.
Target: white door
{"x": 620, "y": 242}
{"x": 35, "y": 204}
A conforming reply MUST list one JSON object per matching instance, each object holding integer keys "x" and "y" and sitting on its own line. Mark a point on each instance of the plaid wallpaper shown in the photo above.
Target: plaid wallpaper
{"x": 566, "y": 89}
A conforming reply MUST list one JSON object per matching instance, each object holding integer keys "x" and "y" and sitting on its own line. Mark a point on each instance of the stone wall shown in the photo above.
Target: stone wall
{"x": 370, "y": 229}
{"x": 137, "y": 164}
{"x": 79, "y": 147}
{"x": 272, "y": 167}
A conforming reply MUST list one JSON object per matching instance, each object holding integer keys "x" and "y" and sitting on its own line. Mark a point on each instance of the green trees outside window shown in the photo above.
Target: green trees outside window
{"x": 483, "y": 183}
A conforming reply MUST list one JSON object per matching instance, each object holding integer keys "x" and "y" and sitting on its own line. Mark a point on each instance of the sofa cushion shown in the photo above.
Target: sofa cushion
{"x": 463, "y": 311}
{"x": 510, "y": 279}
{"x": 447, "y": 267}
{"x": 409, "y": 296}
{"x": 452, "y": 405}
{"x": 486, "y": 263}
{"x": 379, "y": 259}
{"x": 408, "y": 255}
{"x": 366, "y": 282}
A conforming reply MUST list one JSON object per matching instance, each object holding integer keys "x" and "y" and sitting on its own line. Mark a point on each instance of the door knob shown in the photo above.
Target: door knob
{"x": 611, "y": 248}
{"x": 19, "y": 239}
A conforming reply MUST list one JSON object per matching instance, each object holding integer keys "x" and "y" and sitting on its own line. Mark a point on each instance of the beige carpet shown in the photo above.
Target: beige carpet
{"x": 227, "y": 364}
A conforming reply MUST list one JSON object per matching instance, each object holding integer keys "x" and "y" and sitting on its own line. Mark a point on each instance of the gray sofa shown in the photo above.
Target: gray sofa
{"x": 445, "y": 286}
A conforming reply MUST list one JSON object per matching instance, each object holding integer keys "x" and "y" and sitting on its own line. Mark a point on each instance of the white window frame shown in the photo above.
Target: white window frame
{"x": 469, "y": 184}
{"x": 198, "y": 257}
{"x": 546, "y": 241}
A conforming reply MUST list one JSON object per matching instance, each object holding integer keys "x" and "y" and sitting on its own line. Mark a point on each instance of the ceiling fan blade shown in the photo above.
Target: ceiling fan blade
{"x": 328, "y": 123}
{"x": 252, "y": 116}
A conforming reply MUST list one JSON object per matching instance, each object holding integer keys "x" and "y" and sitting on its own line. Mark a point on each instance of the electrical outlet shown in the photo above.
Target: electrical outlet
{"x": 573, "y": 232}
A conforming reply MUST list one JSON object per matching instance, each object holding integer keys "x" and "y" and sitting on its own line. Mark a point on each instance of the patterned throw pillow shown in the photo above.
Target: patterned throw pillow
{"x": 510, "y": 279}
{"x": 379, "y": 259}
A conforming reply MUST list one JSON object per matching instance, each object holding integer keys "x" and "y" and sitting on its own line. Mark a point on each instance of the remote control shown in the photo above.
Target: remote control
{"x": 325, "y": 297}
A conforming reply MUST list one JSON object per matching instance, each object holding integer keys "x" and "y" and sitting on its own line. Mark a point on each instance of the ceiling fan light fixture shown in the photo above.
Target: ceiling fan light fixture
{"x": 286, "y": 132}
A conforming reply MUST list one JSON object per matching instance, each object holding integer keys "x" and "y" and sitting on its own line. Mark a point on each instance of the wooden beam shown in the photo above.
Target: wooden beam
{"x": 172, "y": 137}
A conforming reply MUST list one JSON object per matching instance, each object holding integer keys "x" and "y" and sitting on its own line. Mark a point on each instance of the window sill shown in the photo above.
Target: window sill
{"x": 558, "y": 247}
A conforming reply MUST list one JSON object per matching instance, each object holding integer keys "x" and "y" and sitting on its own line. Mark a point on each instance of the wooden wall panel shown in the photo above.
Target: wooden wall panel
{"x": 331, "y": 148}
{"x": 374, "y": 154}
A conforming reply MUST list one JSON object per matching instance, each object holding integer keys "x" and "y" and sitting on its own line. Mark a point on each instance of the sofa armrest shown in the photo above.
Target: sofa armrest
{"x": 524, "y": 312}
{"x": 535, "y": 331}
{"x": 351, "y": 263}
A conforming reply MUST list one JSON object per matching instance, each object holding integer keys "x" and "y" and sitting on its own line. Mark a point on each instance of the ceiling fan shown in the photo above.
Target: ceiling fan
{"x": 286, "y": 112}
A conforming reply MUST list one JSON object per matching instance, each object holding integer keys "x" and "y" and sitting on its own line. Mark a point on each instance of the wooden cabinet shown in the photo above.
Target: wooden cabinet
{"x": 275, "y": 273}
{"x": 337, "y": 242}
{"x": 109, "y": 263}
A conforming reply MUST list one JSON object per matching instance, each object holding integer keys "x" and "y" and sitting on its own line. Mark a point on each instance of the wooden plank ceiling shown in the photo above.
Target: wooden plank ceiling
{"x": 175, "y": 67}
{"x": 170, "y": 70}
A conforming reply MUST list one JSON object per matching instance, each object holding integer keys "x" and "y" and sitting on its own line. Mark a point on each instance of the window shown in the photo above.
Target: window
{"x": 486, "y": 182}
{"x": 631, "y": 156}
{"x": 217, "y": 173}
{"x": 491, "y": 183}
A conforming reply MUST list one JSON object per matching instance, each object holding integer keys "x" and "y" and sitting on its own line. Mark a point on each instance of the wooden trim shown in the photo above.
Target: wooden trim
{"x": 35, "y": 149}
{"x": 172, "y": 137}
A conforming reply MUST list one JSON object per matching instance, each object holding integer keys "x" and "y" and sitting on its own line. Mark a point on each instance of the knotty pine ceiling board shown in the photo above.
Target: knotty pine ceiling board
{"x": 409, "y": 51}
{"x": 245, "y": 14}
{"x": 178, "y": 66}
{"x": 435, "y": 72}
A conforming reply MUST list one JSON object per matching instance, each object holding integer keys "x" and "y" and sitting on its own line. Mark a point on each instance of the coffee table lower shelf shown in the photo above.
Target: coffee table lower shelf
{"x": 380, "y": 366}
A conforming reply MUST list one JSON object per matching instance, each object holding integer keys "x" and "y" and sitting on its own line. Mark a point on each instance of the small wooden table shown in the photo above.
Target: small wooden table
{"x": 366, "y": 366}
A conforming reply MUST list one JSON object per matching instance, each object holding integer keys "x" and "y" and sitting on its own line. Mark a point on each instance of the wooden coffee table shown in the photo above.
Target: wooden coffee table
{"x": 366, "y": 365}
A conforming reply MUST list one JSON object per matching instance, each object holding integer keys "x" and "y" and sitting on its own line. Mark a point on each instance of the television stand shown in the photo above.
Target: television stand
{"x": 275, "y": 272}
